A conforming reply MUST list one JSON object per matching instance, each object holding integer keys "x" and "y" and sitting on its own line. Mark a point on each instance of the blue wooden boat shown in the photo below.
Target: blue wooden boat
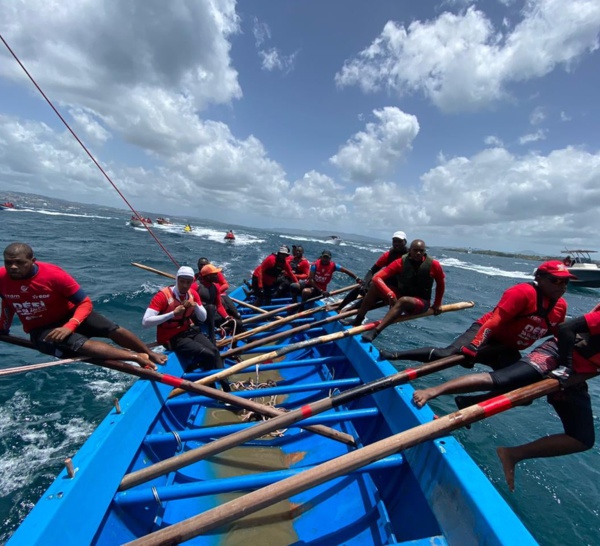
{"x": 430, "y": 494}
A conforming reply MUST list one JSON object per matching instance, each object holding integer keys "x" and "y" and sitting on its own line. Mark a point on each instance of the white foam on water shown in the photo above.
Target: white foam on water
{"x": 71, "y": 214}
{"x": 484, "y": 270}
{"x": 39, "y": 436}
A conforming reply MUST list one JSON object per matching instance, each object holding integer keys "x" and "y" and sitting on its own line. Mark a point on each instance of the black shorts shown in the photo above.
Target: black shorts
{"x": 492, "y": 354}
{"x": 95, "y": 325}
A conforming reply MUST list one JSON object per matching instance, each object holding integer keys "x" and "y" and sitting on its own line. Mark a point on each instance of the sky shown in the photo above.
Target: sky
{"x": 462, "y": 123}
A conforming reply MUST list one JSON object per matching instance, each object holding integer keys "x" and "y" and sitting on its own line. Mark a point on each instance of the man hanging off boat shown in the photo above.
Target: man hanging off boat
{"x": 576, "y": 350}
{"x": 526, "y": 313}
{"x": 319, "y": 277}
{"x": 267, "y": 273}
{"x": 410, "y": 293}
{"x": 58, "y": 315}
{"x": 173, "y": 311}
{"x": 397, "y": 250}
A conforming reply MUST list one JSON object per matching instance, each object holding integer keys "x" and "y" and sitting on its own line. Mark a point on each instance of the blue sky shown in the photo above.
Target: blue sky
{"x": 461, "y": 123}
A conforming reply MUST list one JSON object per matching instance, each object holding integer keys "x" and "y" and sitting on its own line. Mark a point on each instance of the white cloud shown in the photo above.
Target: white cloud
{"x": 460, "y": 62}
{"x": 537, "y": 116}
{"x": 565, "y": 117}
{"x": 373, "y": 153}
{"x": 533, "y": 137}
{"x": 272, "y": 59}
{"x": 261, "y": 32}
{"x": 493, "y": 141}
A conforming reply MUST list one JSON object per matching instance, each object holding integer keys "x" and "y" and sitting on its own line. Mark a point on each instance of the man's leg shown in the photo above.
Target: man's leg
{"x": 123, "y": 337}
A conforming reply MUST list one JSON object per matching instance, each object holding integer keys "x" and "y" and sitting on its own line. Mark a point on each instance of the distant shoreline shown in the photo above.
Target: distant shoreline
{"x": 533, "y": 258}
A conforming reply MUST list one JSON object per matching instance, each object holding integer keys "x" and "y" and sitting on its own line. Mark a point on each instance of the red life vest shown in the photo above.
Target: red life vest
{"x": 323, "y": 274}
{"x": 174, "y": 326}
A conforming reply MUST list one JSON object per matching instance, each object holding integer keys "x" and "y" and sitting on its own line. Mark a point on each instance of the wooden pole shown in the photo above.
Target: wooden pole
{"x": 283, "y": 421}
{"x": 259, "y": 359}
{"x": 340, "y": 466}
{"x": 248, "y": 305}
{"x": 187, "y": 386}
{"x": 271, "y": 325}
{"x": 157, "y": 271}
{"x": 286, "y": 333}
{"x": 293, "y": 306}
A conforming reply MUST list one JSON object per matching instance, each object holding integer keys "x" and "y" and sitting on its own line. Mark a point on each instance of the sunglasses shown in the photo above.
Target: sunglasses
{"x": 557, "y": 280}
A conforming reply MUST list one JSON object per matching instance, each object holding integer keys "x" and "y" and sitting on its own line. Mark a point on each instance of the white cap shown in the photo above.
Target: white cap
{"x": 399, "y": 235}
{"x": 185, "y": 271}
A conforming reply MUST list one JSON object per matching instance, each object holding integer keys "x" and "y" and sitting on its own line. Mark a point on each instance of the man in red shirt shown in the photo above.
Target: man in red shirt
{"x": 222, "y": 284}
{"x": 173, "y": 311}
{"x": 265, "y": 276}
{"x": 321, "y": 273}
{"x": 410, "y": 294}
{"x": 576, "y": 349}
{"x": 397, "y": 250}
{"x": 526, "y": 313}
{"x": 58, "y": 315}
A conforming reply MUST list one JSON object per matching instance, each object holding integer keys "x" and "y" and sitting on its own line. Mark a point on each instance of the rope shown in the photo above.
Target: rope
{"x": 85, "y": 149}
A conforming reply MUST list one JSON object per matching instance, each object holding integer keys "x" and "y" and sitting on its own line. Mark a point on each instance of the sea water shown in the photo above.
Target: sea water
{"x": 48, "y": 414}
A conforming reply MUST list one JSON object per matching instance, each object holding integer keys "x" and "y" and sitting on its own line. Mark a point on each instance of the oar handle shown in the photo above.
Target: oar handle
{"x": 157, "y": 271}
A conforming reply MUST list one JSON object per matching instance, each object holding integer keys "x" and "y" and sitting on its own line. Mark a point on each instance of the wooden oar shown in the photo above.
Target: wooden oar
{"x": 293, "y": 306}
{"x": 340, "y": 466}
{"x": 283, "y": 421}
{"x": 271, "y": 325}
{"x": 157, "y": 271}
{"x": 248, "y": 305}
{"x": 40, "y": 366}
{"x": 317, "y": 341}
{"x": 188, "y": 386}
{"x": 286, "y": 333}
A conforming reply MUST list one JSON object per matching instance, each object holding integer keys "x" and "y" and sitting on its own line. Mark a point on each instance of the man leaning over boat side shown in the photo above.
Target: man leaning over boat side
{"x": 576, "y": 349}
{"x": 301, "y": 268}
{"x": 397, "y": 250}
{"x": 526, "y": 313}
{"x": 319, "y": 277}
{"x": 58, "y": 315}
{"x": 172, "y": 311}
{"x": 414, "y": 274}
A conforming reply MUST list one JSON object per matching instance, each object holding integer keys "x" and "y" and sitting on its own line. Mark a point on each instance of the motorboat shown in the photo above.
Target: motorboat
{"x": 136, "y": 222}
{"x": 7, "y": 205}
{"x": 163, "y": 221}
{"x": 229, "y": 236}
{"x": 580, "y": 264}
{"x": 188, "y": 228}
{"x": 335, "y": 239}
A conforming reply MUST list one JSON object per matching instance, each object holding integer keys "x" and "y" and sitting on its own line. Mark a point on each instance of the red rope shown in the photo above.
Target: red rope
{"x": 86, "y": 150}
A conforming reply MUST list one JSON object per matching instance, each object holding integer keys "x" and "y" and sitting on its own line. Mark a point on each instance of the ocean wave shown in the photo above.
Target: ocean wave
{"x": 485, "y": 270}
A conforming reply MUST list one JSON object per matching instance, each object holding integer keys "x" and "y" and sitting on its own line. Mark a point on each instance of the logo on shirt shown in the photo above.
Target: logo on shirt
{"x": 24, "y": 288}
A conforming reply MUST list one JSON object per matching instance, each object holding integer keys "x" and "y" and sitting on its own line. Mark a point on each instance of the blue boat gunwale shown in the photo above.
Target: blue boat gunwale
{"x": 464, "y": 502}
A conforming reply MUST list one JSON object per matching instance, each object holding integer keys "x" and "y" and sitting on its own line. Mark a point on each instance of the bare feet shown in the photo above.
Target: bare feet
{"x": 158, "y": 358}
{"x": 421, "y": 397}
{"x": 508, "y": 465}
{"x": 144, "y": 361}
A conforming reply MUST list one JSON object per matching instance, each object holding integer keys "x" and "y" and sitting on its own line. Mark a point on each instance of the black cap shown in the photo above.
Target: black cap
{"x": 326, "y": 253}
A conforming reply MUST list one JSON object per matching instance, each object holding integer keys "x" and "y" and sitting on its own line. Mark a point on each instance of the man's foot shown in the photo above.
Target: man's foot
{"x": 388, "y": 355}
{"x": 158, "y": 358}
{"x": 144, "y": 361}
{"x": 508, "y": 465}
{"x": 370, "y": 335}
{"x": 421, "y": 397}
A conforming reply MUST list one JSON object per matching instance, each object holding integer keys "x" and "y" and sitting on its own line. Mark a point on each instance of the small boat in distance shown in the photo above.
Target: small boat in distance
{"x": 335, "y": 239}
{"x": 229, "y": 236}
{"x": 188, "y": 228}
{"x": 163, "y": 221}
{"x": 580, "y": 264}
{"x": 136, "y": 222}
{"x": 7, "y": 205}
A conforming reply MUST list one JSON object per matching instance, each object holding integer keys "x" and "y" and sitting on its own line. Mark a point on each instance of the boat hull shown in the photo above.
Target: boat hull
{"x": 588, "y": 277}
{"x": 433, "y": 492}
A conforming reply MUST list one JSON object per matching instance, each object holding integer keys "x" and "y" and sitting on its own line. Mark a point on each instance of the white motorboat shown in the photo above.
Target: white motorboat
{"x": 580, "y": 264}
